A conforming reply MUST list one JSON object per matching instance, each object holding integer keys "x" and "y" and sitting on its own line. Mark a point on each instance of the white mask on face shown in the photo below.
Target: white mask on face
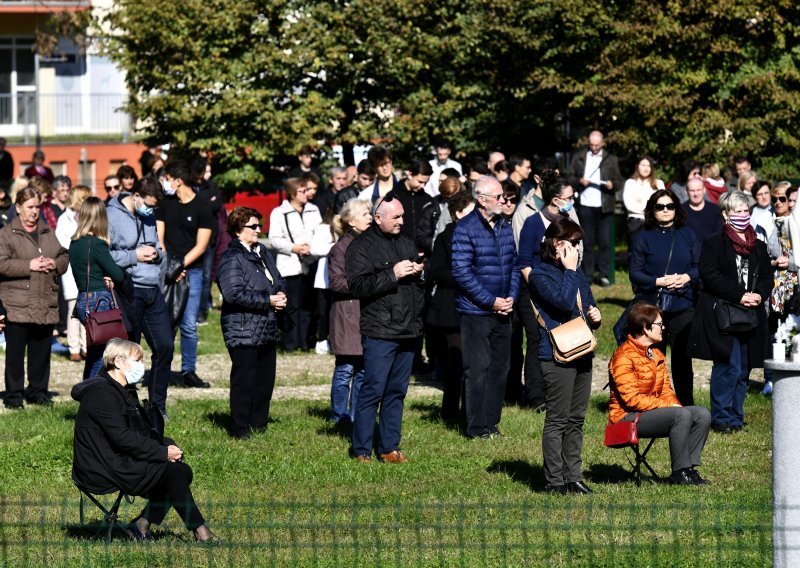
{"x": 135, "y": 373}
{"x": 167, "y": 185}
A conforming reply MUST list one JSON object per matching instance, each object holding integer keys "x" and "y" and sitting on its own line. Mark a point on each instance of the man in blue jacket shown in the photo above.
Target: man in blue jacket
{"x": 484, "y": 268}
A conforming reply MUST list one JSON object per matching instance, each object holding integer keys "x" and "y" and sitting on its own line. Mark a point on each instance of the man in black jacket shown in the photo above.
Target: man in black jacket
{"x": 381, "y": 272}
{"x": 419, "y": 208}
{"x": 595, "y": 175}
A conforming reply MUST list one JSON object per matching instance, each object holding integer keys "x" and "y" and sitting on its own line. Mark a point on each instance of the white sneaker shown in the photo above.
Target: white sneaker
{"x": 322, "y": 348}
{"x": 767, "y": 388}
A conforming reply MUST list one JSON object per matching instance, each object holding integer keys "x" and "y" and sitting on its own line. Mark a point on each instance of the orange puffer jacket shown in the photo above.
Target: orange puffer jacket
{"x": 638, "y": 382}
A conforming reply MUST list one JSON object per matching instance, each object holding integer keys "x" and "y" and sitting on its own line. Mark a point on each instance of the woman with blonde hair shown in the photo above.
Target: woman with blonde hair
{"x": 95, "y": 271}
{"x": 67, "y": 224}
{"x": 345, "y": 329}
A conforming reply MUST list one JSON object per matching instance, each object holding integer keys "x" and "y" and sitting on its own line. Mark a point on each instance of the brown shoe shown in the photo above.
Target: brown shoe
{"x": 393, "y": 457}
{"x": 363, "y": 459}
{"x": 75, "y": 357}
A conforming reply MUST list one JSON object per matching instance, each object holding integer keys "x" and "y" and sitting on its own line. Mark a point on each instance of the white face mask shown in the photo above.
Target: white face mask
{"x": 135, "y": 373}
{"x": 167, "y": 185}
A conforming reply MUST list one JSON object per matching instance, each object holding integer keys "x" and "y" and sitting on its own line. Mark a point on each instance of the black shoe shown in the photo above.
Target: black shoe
{"x": 191, "y": 380}
{"x": 578, "y": 487}
{"x": 136, "y": 534}
{"x": 695, "y": 477}
{"x": 556, "y": 489}
{"x": 680, "y": 477}
{"x": 40, "y": 401}
{"x": 13, "y": 404}
{"x": 720, "y": 428}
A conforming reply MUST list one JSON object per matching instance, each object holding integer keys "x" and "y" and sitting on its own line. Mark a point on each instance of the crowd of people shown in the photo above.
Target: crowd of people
{"x": 456, "y": 262}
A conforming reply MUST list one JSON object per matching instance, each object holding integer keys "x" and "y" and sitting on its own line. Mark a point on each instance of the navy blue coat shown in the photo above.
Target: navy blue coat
{"x": 247, "y": 318}
{"x": 484, "y": 264}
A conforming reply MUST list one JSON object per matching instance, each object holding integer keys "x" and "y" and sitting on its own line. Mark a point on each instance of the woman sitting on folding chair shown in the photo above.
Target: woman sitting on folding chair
{"x": 116, "y": 447}
{"x": 640, "y": 385}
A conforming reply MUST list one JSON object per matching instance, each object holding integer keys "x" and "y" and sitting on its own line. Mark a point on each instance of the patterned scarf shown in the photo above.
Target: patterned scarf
{"x": 742, "y": 247}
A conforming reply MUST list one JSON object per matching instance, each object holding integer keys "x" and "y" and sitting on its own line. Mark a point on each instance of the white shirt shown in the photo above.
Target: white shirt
{"x": 591, "y": 195}
{"x": 763, "y": 217}
{"x": 636, "y": 194}
{"x": 287, "y": 228}
{"x": 432, "y": 187}
{"x": 66, "y": 227}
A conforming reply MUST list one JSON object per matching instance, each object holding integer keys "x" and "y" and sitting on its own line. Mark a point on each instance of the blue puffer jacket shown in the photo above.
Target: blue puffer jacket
{"x": 247, "y": 318}
{"x": 484, "y": 264}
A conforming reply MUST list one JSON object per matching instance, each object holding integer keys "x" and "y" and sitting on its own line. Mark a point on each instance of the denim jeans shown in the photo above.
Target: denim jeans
{"x": 148, "y": 315}
{"x": 729, "y": 386}
{"x": 97, "y": 302}
{"x": 189, "y": 320}
{"x": 348, "y": 376}
{"x": 387, "y": 370}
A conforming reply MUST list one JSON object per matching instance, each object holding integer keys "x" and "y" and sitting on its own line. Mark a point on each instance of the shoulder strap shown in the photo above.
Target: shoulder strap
{"x": 541, "y": 320}
{"x": 286, "y": 222}
{"x": 671, "y": 248}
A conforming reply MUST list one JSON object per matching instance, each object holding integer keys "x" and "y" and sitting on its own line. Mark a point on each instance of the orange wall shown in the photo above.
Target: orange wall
{"x": 107, "y": 156}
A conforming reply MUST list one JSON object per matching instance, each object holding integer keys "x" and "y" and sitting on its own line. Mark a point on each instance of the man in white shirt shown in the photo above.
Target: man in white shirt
{"x": 595, "y": 174}
{"x": 440, "y": 163}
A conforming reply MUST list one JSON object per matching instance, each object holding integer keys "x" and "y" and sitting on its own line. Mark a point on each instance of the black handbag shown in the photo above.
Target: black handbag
{"x": 735, "y": 318}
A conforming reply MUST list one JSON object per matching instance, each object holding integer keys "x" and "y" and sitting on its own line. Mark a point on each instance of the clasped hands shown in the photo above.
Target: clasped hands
{"x": 673, "y": 281}
{"x": 407, "y": 268}
{"x": 751, "y": 299}
{"x": 278, "y": 301}
{"x": 42, "y": 264}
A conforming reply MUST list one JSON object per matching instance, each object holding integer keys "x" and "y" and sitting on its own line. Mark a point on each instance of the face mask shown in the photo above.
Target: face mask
{"x": 739, "y": 221}
{"x": 135, "y": 373}
{"x": 566, "y": 208}
{"x": 167, "y": 185}
{"x": 144, "y": 210}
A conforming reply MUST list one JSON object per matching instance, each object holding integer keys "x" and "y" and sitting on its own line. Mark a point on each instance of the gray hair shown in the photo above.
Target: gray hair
{"x": 336, "y": 170}
{"x": 119, "y": 348}
{"x": 483, "y": 183}
{"x": 730, "y": 201}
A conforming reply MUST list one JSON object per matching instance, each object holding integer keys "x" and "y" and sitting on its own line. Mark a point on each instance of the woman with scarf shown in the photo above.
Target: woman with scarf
{"x": 736, "y": 274}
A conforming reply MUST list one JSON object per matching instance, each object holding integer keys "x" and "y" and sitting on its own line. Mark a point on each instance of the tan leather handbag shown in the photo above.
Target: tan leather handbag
{"x": 571, "y": 340}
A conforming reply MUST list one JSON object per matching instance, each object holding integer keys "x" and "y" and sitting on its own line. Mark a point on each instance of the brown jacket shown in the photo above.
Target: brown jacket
{"x": 30, "y": 297}
{"x": 638, "y": 382}
{"x": 345, "y": 328}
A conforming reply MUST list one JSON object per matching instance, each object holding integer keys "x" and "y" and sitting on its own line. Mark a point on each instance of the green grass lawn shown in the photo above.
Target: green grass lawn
{"x": 292, "y": 496}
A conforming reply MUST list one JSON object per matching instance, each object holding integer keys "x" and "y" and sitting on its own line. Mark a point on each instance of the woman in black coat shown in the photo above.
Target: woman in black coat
{"x": 734, "y": 268}
{"x": 253, "y": 291}
{"x": 442, "y": 313}
{"x": 116, "y": 447}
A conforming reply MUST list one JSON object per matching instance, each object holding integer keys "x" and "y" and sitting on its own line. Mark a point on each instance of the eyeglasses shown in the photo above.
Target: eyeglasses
{"x": 781, "y": 198}
{"x": 660, "y": 324}
{"x": 497, "y": 197}
{"x": 662, "y": 206}
{"x": 254, "y": 226}
{"x": 510, "y": 198}
{"x": 112, "y": 187}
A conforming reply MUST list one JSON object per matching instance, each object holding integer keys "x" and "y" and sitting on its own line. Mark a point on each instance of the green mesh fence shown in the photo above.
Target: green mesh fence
{"x": 544, "y": 531}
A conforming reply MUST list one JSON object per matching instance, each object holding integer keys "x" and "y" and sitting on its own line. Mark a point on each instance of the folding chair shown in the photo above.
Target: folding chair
{"x": 110, "y": 515}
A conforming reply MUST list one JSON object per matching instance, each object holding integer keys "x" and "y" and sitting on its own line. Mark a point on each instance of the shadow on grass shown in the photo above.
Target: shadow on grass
{"x": 606, "y": 473}
{"x": 323, "y": 412}
{"x": 96, "y": 531}
{"x": 432, "y": 413}
{"x": 521, "y": 472}
{"x": 600, "y": 403}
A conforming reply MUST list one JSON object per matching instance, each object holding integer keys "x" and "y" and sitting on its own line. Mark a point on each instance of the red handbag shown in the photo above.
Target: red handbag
{"x": 101, "y": 327}
{"x": 623, "y": 433}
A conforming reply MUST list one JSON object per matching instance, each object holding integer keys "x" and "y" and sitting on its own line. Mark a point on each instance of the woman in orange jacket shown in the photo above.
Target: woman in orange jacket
{"x": 640, "y": 386}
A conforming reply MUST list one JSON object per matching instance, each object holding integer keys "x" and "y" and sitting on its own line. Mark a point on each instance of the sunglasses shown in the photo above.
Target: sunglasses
{"x": 497, "y": 197}
{"x": 510, "y": 198}
{"x": 254, "y": 226}
{"x": 112, "y": 187}
{"x": 663, "y": 206}
{"x": 781, "y": 198}
{"x": 388, "y": 198}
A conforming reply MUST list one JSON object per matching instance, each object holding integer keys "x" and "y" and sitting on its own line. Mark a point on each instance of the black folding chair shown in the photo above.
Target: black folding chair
{"x": 110, "y": 515}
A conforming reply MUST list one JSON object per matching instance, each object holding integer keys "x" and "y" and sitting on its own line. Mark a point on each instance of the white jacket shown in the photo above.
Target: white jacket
{"x": 287, "y": 228}
{"x": 66, "y": 227}
{"x": 635, "y": 195}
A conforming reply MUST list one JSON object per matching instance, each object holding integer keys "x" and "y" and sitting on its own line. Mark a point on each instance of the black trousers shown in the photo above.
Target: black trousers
{"x": 252, "y": 383}
{"x": 534, "y": 384}
{"x": 678, "y": 329}
{"x": 515, "y": 393}
{"x": 173, "y": 490}
{"x": 37, "y": 339}
{"x": 297, "y": 314}
{"x": 596, "y": 227}
{"x": 450, "y": 361}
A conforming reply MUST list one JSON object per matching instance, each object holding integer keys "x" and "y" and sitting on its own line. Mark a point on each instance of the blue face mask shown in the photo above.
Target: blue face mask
{"x": 135, "y": 373}
{"x": 144, "y": 210}
{"x": 567, "y": 207}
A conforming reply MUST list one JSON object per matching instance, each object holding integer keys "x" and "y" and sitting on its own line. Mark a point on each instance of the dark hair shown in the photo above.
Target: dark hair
{"x": 58, "y": 180}
{"x": 650, "y": 215}
{"x": 126, "y": 172}
{"x": 641, "y": 316}
{"x": 442, "y": 143}
{"x": 552, "y": 185}
{"x": 740, "y": 160}
{"x": 26, "y": 193}
{"x": 420, "y": 167}
{"x": 378, "y": 155}
{"x": 502, "y": 166}
{"x": 238, "y": 218}
{"x": 149, "y": 186}
{"x": 177, "y": 169}
{"x": 685, "y": 168}
{"x": 197, "y": 168}
{"x": 479, "y": 165}
{"x": 543, "y": 164}
{"x": 291, "y": 185}
{"x": 451, "y": 173}
{"x": 365, "y": 168}
{"x": 311, "y": 177}
{"x": 459, "y": 201}
{"x": 516, "y": 160}
{"x": 112, "y": 176}
{"x": 759, "y": 184}
{"x": 510, "y": 188}
{"x": 791, "y": 190}
{"x": 305, "y": 150}
{"x": 559, "y": 230}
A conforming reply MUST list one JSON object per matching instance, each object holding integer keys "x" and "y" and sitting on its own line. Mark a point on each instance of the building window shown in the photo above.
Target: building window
{"x": 17, "y": 81}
